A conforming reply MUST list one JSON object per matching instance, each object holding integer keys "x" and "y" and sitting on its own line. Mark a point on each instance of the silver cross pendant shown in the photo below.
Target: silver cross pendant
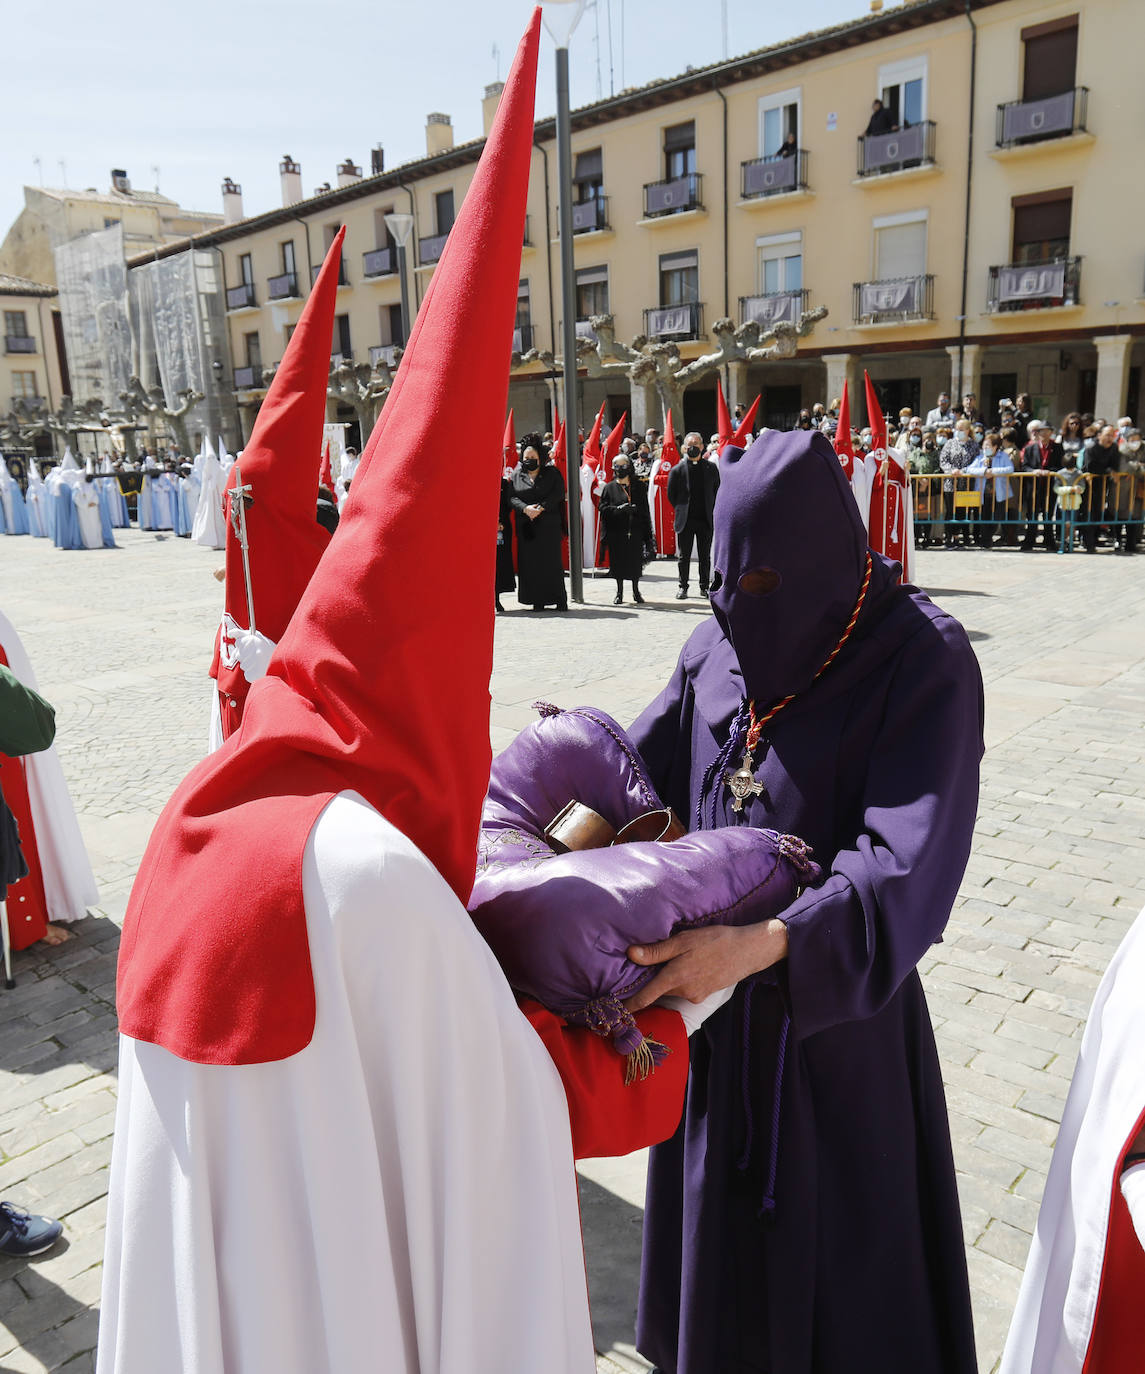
{"x": 743, "y": 784}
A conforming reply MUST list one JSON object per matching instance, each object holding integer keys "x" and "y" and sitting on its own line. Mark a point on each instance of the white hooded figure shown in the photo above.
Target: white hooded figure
{"x": 113, "y": 494}
{"x": 86, "y": 497}
{"x": 13, "y": 512}
{"x": 36, "y": 501}
{"x": 210, "y": 527}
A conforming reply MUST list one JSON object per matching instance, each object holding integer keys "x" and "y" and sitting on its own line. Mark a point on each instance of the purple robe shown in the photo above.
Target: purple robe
{"x": 804, "y": 1218}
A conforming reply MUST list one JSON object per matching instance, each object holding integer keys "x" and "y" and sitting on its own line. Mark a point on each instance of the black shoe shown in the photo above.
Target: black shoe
{"x": 23, "y": 1234}
{"x": 682, "y": 594}
{"x": 538, "y": 608}
{"x": 618, "y": 600}
{"x": 562, "y": 606}
{"x": 640, "y": 600}
{"x": 500, "y": 608}
{"x": 703, "y": 591}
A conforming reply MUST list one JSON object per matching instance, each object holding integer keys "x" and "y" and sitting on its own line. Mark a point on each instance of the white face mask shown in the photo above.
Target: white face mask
{"x": 988, "y": 450}
{"x": 1134, "y": 445}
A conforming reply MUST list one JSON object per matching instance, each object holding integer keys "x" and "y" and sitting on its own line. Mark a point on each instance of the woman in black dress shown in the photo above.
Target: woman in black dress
{"x": 539, "y": 502}
{"x": 506, "y": 578}
{"x": 625, "y": 527}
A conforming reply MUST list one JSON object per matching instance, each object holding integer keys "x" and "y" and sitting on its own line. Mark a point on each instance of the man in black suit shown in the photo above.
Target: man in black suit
{"x": 692, "y": 487}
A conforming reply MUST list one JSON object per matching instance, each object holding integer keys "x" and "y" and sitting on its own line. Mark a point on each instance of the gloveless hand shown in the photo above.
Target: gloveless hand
{"x": 696, "y": 963}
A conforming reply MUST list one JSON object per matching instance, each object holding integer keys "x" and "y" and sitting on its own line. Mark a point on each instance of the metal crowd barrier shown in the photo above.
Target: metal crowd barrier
{"x": 971, "y": 509}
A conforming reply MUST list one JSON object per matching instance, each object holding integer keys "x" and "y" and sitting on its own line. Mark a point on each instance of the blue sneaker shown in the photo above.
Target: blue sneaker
{"x": 23, "y": 1234}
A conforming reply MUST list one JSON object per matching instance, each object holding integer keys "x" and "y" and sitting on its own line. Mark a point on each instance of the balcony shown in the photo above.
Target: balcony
{"x": 247, "y": 378}
{"x": 675, "y": 197}
{"x": 430, "y": 250}
{"x": 773, "y": 176}
{"x": 590, "y": 216}
{"x": 380, "y": 262}
{"x": 343, "y": 277}
{"x": 241, "y": 297}
{"x": 675, "y": 323}
{"x": 882, "y": 154}
{"x": 522, "y": 338}
{"x": 284, "y": 287}
{"x": 773, "y": 307}
{"x": 1054, "y": 285}
{"x": 386, "y": 354}
{"x": 1023, "y": 122}
{"x": 584, "y": 330}
{"x": 19, "y": 343}
{"x": 894, "y": 300}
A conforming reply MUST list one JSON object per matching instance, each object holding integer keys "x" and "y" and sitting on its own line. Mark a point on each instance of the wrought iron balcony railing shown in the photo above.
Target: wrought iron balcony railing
{"x": 1034, "y": 285}
{"x": 240, "y": 297}
{"x": 283, "y": 287}
{"x": 343, "y": 277}
{"x": 246, "y": 378}
{"x": 380, "y": 262}
{"x": 385, "y": 353}
{"x": 19, "y": 343}
{"x": 522, "y": 338}
{"x": 773, "y": 307}
{"x": 673, "y": 196}
{"x": 590, "y": 215}
{"x": 894, "y": 300}
{"x": 430, "y": 250}
{"x": 675, "y": 322}
{"x": 912, "y": 146}
{"x": 1032, "y": 121}
{"x": 772, "y": 176}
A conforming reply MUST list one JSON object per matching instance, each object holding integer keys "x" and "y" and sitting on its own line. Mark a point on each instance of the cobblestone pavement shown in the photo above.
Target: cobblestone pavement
{"x": 121, "y": 640}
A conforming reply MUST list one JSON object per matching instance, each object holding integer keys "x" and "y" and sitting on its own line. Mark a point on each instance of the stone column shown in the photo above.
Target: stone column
{"x": 738, "y": 394}
{"x": 643, "y": 409}
{"x": 1112, "y": 375}
{"x": 842, "y": 367}
{"x": 971, "y": 375}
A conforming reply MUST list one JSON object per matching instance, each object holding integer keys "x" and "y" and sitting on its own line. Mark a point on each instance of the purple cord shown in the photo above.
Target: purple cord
{"x": 715, "y": 770}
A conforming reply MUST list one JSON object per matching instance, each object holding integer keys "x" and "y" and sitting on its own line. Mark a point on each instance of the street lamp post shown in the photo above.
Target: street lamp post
{"x": 401, "y": 227}
{"x": 561, "y": 18}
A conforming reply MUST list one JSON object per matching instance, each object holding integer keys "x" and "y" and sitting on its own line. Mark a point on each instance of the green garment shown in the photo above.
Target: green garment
{"x": 27, "y": 722}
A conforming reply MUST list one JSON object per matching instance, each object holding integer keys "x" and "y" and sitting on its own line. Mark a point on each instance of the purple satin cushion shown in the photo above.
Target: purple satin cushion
{"x": 560, "y": 924}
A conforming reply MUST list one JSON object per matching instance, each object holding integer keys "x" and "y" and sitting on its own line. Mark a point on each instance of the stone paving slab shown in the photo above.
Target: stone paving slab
{"x": 121, "y": 642}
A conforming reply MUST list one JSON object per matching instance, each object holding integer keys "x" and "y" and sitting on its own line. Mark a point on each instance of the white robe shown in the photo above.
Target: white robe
{"x": 69, "y": 885}
{"x": 86, "y": 500}
{"x": 210, "y": 527}
{"x": 590, "y": 483}
{"x": 396, "y": 1198}
{"x": 1053, "y": 1319}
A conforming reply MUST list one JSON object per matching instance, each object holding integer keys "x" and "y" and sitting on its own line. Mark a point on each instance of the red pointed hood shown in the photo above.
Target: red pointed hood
{"x": 669, "y": 449}
{"x": 743, "y": 429}
{"x": 284, "y": 537}
{"x": 612, "y": 445}
{"x": 723, "y": 419}
{"x": 592, "y": 454}
{"x": 559, "y": 454}
{"x": 509, "y": 443}
{"x": 370, "y": 689}
{"x": 843, "y": 444}
{"x": 326, "y": 474}
{"x": 875, "y": 417}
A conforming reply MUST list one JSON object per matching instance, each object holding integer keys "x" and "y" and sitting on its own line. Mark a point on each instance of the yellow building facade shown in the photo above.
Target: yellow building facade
{"x": 30, "y": 379}
{"x": 981, "y": 233}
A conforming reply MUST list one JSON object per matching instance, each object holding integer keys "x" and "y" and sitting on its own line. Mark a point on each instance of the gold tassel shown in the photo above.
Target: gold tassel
{"x": 642, "y": 1061}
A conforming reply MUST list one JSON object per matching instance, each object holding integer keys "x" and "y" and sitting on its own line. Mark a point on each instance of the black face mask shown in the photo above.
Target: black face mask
{"x": 693, "y": 450}
{"x": 620, "y": 472}
{"x": 530, "y": 464}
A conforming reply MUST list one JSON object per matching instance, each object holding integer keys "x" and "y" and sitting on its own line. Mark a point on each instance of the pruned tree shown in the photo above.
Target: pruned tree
{"x": 648, "y": 362}
{"x": 153, "y": 403}
{"x": 363, "y": 387}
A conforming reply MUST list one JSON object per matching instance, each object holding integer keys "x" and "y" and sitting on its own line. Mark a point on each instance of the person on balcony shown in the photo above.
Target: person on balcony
{"x": 881, "y": 120}
{"x": 789, "y": 147}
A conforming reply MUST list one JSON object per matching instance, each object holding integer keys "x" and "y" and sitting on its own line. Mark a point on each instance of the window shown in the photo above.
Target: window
{"x": 329, "y": 234}
{"x": 679, "y": 150}
{"x": 778, "y": 117}
{"x": 342, "y": 336}
{"x": 524, "y": 316}
{"x": 900, "y": 245}
{"x": 24, "y": 384}
{"x": 109, "y": 223}
{"x": 253, "y": 348}
{"x": 246, "y": 269}
{"x": 382, "y": 236}
{"x": 591, "y": 292}
{"x": 287, "y": 250}
{"x": 1049, "y": 58}
{"x": 15, "y": 324}
{"x": 588, "y": 176}
{"x": 443, "y": 211}
{"x": 902, "y": 89}
{"x": 780, "y": 262}
{"x": 397, "y": 334}
{"x": 679, "y": 278}
{"x": 1041, "y": 226}
{"x": 289, "y": 331}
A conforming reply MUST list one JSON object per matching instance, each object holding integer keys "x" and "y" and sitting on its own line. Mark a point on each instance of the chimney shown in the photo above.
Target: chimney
{"x": 119, "y": 181}
{"x": 438, "y": 133}
{"x": 290, "y": 174}
{"x": 323, "y": 189}
{"x": 232, "y": 201}
{"x": 489, "y": 104}
{"x": 348, "y": 174}
{"x": 377, "y": 160}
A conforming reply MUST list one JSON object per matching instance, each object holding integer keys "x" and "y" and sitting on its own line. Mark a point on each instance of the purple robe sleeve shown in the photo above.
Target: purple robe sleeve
{"x": 657, "y": 733}
{"x": 856, "y": 937}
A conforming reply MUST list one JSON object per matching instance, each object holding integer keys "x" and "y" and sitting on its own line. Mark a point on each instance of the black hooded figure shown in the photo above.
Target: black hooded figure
{"x": 804, "y": 1218}
{"x": 506, "y": 577}
{"x": 539, "y": 502}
